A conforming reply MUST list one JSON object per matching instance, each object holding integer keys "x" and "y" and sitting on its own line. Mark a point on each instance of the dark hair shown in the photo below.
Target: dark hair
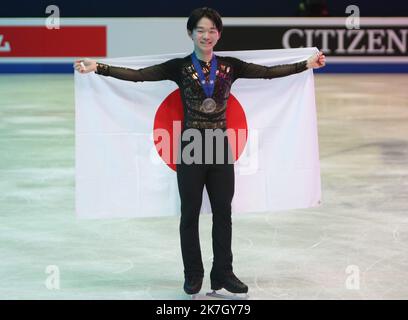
{"x": 199, "y": 13}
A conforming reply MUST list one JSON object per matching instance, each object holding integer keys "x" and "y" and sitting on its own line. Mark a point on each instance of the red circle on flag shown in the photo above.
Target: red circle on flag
{"x": 168, "y": 123}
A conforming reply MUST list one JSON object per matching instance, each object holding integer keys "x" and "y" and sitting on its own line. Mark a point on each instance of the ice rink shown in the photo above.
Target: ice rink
{"x": 355, "y": 246}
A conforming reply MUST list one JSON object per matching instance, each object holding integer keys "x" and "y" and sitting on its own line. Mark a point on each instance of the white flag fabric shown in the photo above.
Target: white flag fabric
{"x": 119, "y": 173}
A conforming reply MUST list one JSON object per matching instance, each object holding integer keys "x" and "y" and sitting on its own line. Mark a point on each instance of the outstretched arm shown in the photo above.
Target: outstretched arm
{"x": 163, "y": 71}
{"x": 252, "y": 70}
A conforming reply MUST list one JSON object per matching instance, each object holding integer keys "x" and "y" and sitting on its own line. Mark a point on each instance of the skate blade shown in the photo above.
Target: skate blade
{"x": 200, "y": 296}
{"x": 234, "y": 296}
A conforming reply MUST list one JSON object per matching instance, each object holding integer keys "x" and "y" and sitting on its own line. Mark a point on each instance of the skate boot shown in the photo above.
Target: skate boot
{"x": 229, "y": 282}
{"x": 192, "y": 284}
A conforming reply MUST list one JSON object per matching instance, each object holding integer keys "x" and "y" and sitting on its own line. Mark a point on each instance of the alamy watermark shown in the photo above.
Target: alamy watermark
{"x": 353, "y": 278}
{"x": 52, "y": 282}
{"x": 353, "y": 20}
{"x": 207, "y": 146}
{"x": 53, "y": 20}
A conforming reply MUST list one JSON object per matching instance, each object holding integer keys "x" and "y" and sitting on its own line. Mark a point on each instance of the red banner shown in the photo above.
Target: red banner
{"x": 38, "y": 41}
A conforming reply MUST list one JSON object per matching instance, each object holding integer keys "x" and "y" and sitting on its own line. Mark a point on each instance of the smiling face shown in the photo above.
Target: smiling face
{"x": 205, "y": 35}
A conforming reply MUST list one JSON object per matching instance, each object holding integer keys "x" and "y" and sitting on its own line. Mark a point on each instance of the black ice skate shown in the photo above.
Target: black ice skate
{"x": 192, "y": 284}
{"x": 229, "y": 282}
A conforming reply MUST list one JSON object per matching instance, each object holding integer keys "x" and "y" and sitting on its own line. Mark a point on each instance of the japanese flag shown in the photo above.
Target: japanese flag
{"x": 121, "y": 171}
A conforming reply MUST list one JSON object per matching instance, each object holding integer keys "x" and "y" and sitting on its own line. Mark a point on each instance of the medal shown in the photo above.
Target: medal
{"x": 209, "y": 104}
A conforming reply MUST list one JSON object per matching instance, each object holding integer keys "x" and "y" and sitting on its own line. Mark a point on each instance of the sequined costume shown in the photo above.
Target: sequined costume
{"x": 191, "y": 178}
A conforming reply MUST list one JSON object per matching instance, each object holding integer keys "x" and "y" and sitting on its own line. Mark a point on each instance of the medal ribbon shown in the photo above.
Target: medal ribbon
{"x": 208, "y": 87}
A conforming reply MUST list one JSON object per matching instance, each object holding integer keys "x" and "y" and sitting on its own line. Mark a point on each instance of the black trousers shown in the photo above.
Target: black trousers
{"x": 219, "y": 182}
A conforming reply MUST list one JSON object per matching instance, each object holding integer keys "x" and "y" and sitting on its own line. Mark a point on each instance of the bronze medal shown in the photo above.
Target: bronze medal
{"x": 208, "y": 105}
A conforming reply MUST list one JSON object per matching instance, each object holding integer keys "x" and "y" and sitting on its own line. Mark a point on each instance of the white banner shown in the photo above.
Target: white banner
{"x": 119, "y": 173}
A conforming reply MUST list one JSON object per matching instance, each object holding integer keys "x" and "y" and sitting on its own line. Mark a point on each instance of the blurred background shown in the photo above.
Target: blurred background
{"x": 354, "y": 246}
{"x": 44, "y": 36}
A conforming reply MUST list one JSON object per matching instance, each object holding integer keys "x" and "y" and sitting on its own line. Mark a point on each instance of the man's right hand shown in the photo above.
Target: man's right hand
{"x": 85, "y": 65}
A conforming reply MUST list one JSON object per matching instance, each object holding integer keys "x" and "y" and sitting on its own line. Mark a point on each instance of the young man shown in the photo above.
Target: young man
{"x": 205, "y": 80}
